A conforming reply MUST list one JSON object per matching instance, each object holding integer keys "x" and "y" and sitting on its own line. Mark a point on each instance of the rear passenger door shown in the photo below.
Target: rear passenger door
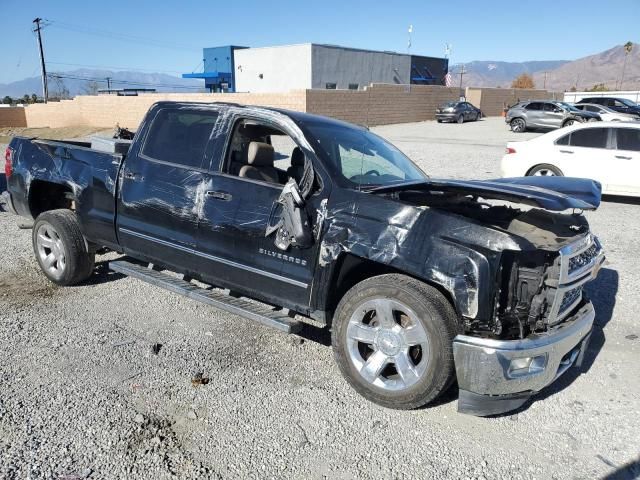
{"x": 624, "y": 163}
{"x": 161, "y": 187}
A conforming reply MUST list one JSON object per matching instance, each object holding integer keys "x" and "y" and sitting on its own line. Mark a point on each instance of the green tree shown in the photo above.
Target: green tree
{"x": 523, "y": 81}
{"x": 34, "y": 98}
{"x": 26, "y": 98}
{"x": 7, "y": 100}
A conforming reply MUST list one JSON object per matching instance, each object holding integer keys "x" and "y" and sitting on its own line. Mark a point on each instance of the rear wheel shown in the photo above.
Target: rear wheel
{"x": 60, "y": 248}
{"x": 392, "y": 339}
{"x": 545, "y": 170}
{"x": 518, "y": 125}
{"x": 569, "y": 122}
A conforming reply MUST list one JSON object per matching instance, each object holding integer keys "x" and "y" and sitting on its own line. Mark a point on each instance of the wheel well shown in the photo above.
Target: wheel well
{"x": 352, "y": 270}
{"x": 518, "y": 118}
{"x": 542, "y": 165}
{"x": 45, "y": 196}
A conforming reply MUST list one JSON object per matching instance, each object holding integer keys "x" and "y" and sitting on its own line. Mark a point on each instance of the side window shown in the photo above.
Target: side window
{"x": 590, "y": 138}
{"x": 628, "y": 139}
{"x": 179, "y": 136}
{"x": 564, "y": 140}
{"x": 535, "y": 106}
{"x": 549, "y": 107}
{"x": 261, "y": 152}
{"x": 619, "y": 104}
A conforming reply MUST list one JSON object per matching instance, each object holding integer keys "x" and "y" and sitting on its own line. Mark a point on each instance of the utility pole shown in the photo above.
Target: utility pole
{"x": 109, "y": 84}
{"x": 462, "y": 72}
{"x": 544, "y": 87}
{"x": 45, "y": 87}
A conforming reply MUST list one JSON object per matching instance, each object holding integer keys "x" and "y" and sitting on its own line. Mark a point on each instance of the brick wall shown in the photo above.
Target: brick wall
{"x": 381, "y": 104}
{"x": 12, "y": 117}
{"x": 492, "y": 101}
{"x": 107, "y": 110}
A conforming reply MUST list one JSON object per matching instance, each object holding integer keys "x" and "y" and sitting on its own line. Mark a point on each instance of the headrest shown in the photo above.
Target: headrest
{"x": 297, "y": 157}
{"x": 260, "y": 154}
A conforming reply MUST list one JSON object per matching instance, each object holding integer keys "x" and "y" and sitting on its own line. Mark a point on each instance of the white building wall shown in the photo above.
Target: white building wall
{"x": 273, "y": 69}
{"x": 633, "y": 95}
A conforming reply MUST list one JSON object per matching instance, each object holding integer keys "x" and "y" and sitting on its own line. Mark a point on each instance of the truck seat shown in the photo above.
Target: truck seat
{"x": 296, "y": 170}
{"x": 260, "y": 163}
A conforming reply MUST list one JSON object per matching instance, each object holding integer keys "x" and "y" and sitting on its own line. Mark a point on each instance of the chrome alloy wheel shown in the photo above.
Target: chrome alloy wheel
{"x": 51, "y": 251}
{"x": 387, "y": 344}
{"x": 544, "y": 172}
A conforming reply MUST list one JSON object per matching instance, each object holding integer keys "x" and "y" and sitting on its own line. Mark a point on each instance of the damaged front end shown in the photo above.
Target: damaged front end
{"x": 541, "y": 326}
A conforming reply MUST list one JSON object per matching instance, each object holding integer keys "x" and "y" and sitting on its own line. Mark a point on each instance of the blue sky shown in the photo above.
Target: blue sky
{"x": 169, "y": 36}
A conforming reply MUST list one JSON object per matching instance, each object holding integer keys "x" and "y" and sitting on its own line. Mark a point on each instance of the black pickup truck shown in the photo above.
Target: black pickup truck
{"x": 291, "y": 218}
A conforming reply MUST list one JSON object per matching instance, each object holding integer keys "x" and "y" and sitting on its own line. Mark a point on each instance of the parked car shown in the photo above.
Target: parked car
{"x": 607, "y": 114}
{"x": 289, "y": 216}
{"x": 458, "y": 112}
{"x": 545, "y": 115}
{"x": 621, "y": 105}
{"x": 608, "y": 152}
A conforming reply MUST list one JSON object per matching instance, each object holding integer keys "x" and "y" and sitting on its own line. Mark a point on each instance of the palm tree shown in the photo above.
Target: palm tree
{"x": 627, "y": 50}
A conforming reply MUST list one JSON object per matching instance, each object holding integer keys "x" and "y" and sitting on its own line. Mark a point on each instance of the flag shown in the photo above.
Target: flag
{"x": 447, "y": 79}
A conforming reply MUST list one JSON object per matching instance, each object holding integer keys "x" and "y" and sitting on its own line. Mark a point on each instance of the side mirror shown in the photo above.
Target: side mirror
{"x": 294, "y": 227}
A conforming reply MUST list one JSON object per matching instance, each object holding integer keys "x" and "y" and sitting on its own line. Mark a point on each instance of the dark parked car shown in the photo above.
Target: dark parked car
{"x": 289, "y": 217}
{"x": 621, "y": 105}
{"x": 457, "y": 112}
{"x": 545, "y": 115}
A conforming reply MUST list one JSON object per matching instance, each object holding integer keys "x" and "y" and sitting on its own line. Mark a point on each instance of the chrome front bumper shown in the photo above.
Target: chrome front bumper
{"x": 496, "y": 376}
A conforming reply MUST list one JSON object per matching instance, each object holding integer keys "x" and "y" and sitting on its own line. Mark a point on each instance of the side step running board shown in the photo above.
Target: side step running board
{"x": 260, "y": 313}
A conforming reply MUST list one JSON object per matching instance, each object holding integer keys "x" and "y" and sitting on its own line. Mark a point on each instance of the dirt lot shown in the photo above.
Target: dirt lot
{"x": 83, "y": 395}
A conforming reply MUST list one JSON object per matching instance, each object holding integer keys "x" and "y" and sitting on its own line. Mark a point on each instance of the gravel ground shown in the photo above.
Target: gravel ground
{"x": 84, "y": 395}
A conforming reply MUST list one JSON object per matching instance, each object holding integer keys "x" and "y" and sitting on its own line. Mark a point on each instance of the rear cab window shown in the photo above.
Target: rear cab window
{"x": 179, "y": 136}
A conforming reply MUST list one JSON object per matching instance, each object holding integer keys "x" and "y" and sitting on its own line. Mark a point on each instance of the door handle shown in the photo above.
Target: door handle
{"x": 219, "y": 195}
{"x": 622, "y": 157}
{"x": 566, "y": 151}
{"x": 129, "y": 175}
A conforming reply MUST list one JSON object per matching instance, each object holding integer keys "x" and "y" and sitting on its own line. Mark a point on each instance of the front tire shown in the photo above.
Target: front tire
{"x": 569, "y": 122}
{"x": 392, "y": 339}
{"x": 460, "y": 118}
{"x": 518, "y": 125}
{"x": 545, "y": 170}
{"x": 61, "y": 249}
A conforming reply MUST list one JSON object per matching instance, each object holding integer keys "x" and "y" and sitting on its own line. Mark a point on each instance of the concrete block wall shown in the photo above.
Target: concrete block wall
{"x": 492, "y": 101}
{"x": 107, "y": 110}
{"x": 381, "y": 104}
{"x": 13, "y": 117}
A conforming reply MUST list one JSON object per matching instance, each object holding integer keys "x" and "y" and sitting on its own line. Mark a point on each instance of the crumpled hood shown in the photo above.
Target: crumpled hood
{"x": 551, "y": 193}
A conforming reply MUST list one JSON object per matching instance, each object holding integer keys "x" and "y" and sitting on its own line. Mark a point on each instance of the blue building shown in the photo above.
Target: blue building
{"x": 218, "y": 69}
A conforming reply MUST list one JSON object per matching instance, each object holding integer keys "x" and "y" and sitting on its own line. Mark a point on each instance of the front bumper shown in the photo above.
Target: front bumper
{"x": 496, "y": 376}
{"x": 5, "y": 198}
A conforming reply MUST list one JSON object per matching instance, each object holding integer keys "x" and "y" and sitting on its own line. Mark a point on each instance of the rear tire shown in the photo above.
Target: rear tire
{"x": 569, "y": 122}
{"x": 545, "y": 170}
{"x": 392, "y": 339}
{"x": 60, "y": 248}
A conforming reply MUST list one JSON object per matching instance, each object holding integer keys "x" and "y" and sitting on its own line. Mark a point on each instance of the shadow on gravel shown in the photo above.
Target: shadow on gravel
{"x": 602, "y": 292}
{"x": 621, "y": 199}
{"x": 629, "y": 471}
{"x": 3, "y": 182}
{"x": 102, "y": 274}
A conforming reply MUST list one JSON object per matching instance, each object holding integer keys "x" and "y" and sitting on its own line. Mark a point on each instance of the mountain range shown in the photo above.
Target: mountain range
{"x": 559, "y": 75}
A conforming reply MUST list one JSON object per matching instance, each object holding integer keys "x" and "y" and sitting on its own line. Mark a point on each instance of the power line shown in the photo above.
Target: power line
{"x": 120, "y": 36}
{"x": 133, "y": 69}
{"x": 121, "y": 82}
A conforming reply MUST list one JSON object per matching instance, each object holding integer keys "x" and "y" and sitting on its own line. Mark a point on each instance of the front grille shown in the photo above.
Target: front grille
{"x": 583, "y": 259}
{"x": 569, "y": 298}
